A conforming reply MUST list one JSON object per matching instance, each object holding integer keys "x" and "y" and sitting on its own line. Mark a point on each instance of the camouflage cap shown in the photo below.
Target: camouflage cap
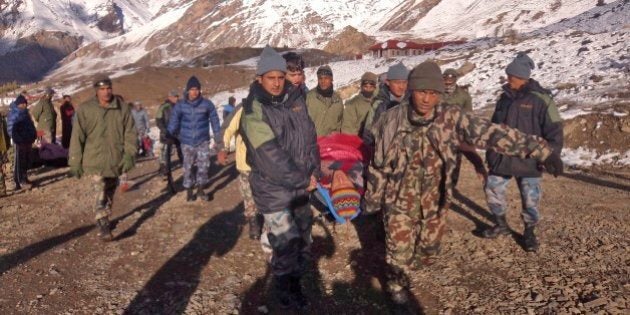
{"x": 324, "y": 71}
{"x": 450, "y": 72}
{"x": 369, "y": 77}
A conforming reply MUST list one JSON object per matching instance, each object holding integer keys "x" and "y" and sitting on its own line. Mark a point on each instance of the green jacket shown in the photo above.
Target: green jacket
{"x": 325, "y": 112}
{"x": 100, "y": 137}
{"x": 5, "y": 139}
{"x": 355, "y": 113}
{"x": 459, "y": 97}
{"x": 45, "y": 115}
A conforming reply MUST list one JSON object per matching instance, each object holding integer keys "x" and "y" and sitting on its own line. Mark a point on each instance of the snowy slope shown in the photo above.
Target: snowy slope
{"x": 77, "y": 17}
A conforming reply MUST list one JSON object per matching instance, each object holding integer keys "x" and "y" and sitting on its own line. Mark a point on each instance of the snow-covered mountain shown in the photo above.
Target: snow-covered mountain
{"x": 126, "y": 34}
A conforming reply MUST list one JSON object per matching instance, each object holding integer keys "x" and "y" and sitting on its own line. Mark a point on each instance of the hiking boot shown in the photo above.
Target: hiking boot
{"x": 501, "y": 228}
{"x": 190, "y": 195}
{"x": 202, "y": 194}
{"x": 104, "y": 232}
{"x": 255, "y": 227}
{"x": 301, "y": 302}
{"x": 530, "y": 242}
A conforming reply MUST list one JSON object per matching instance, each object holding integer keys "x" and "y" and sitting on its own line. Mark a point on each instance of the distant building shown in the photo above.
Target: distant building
{"x": 396, "y": 48}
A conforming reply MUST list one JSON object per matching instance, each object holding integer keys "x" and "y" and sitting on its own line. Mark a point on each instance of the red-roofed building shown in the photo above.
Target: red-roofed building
{"x": 395, "y": 48}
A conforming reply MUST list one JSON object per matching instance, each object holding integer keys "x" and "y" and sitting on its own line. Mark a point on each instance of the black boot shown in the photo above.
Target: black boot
{"x": 255, "y": 227}
{"x": 296, "y": 289}
{"x": 202, "y": 194}
{"x": 190, "y": 195}
{"x": 283, "y": 292}
{"x": 530, "y": 242}
{"x": 104, "y": 233}
{"x": 501, "y": 228}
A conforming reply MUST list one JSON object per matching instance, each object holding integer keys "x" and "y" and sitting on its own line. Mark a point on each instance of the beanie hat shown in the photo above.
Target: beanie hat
{"x": 102, "y": 81}
{"x": 270, "y": 60}
{"x": 49, "y": 90}
{"x": 173, "y": 93}
{"x": 193, "y": 82}
{"x": 426, "y": 76}
{"x": 398, "y": 72}
{"x": 345, "y": 198}
{"x": 368, "y": 76}
{"x": 20, "y": 100}
{"x": 450, "y": 72}
{"x": 324, "y": 71}
{"x": 521, "y": 66}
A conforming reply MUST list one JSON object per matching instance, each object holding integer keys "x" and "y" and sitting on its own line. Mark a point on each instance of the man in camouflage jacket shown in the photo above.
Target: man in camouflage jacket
{"x": 412, "y": 180}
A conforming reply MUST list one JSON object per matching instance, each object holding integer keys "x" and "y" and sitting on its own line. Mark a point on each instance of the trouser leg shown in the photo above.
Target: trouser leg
{"x": 531, "y": 193}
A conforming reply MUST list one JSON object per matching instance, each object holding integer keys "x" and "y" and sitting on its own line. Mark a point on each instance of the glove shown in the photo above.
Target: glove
{"x": 553, "y": 164}
{"x": 75, "y": 171}
{"x": 127, "y": 162}
{"x": 222, "y": 157}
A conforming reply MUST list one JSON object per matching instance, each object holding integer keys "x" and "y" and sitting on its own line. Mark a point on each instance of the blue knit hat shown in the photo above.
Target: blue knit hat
{"x": 20, "y": 100}
{"x": 521, "y": 66}
{"x": 270, "y": 60}
{"x": 398, "y": 72}
{"x": 193, "y": 82}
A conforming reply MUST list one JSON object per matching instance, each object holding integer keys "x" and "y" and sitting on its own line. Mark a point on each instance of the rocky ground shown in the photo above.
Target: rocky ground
{"x": 173, "y": 257}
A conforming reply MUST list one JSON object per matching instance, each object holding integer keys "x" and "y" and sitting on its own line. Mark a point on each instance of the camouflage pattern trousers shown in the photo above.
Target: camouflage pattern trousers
{"x": 198, "y": 156}
{"x": 411, "y": 238}
{"x": 289, "y": 236}
{"x": 103, "y": 188}
{"x": 496, "y": 190}
{"x": 246, "y": 192}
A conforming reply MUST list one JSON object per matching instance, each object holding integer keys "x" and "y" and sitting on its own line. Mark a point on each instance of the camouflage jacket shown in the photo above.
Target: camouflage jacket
{"x": 325, "y": 112}
{"x": 459, "y": 97}
{"x": 449, "y": 128}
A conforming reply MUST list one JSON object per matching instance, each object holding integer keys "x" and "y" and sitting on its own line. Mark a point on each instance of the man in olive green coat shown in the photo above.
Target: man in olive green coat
{"x": 325, "y": 106}
{"x": 455, "y": 94}
{"x": 357, "y": 108}
{"x": 103, "y": 145}
{"x": 45, "y": 116}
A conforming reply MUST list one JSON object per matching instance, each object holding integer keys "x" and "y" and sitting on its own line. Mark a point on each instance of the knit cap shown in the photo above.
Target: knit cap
{"x": 398, "y": 72}
{"x": 270, "y": 60}
{"x": 426, "y": 76}
{"x": 521, "y": 66}
{"x": 193, "y": 82}
{"x": 324, "y": 70}
{"x": 369, "y": 77}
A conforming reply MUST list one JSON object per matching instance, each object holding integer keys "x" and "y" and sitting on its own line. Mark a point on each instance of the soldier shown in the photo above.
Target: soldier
{"x": 162, "y": 117}
{"x": 391, "y": 93}
{"x": 325, "y": 106}
{"x": 103, "y": 146}
{"x": 284, "y": 158}
{"x": 357, "y": 108}
{"x": 45, "y": 116}
{"x": 5, "y": 144}
{"x": 528, "y": 107}
{"x": 67, "y": 112}
{"x": 412, "y": 181}
{"x": 191, "y": 120}
{"x": 456, "y": 95}
{"x": 453, "y": 93}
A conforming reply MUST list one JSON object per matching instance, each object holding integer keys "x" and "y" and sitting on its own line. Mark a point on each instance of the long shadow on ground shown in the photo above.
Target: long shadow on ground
{"x": 170, "y": 288}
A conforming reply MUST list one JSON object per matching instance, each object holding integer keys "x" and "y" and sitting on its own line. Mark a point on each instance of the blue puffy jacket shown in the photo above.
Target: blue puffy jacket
{"x": 190, "y": 122}
{"x": 20, "y": 125}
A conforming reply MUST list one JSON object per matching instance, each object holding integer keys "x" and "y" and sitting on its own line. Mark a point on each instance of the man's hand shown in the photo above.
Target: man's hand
{"x": 127, "y": 163}
{"x": 312, "y": 185}
{"x": 75, "y": 171}
{"x": 553, "y": 164}
{"x": 222, "y": 157}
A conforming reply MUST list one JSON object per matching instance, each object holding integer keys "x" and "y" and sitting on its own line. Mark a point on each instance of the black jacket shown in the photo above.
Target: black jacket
{"x": 281, "y": 147}
{"x": 532, "y": 111}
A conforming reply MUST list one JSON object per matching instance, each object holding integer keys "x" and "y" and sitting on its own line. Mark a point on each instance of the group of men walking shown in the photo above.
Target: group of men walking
{"x": 418, "y": 124}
